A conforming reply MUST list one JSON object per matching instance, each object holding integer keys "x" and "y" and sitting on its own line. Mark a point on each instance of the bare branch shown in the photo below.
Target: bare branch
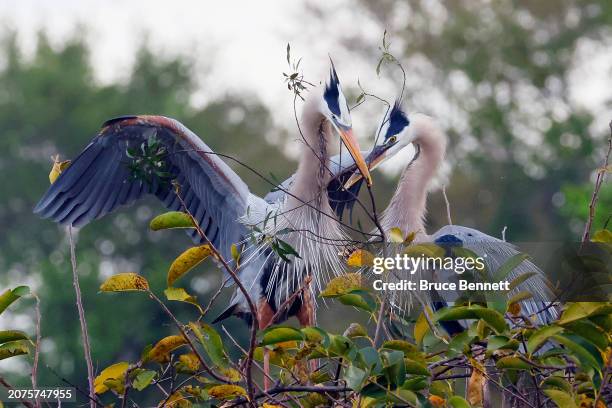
{"x": 83, "y": 322}
{"x": 601, "y": 175}
{"x": 448, "y": 210}
{"x": 36, "y": 348}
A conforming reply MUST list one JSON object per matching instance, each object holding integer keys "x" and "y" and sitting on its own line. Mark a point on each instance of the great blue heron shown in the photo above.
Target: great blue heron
{"x": 340, "y": 168}
{"x": 407, "y": 210}
{"x": 133, "y": 156}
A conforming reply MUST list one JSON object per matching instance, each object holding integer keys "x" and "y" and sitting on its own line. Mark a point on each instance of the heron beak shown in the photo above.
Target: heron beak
{"x": 353, "y": 147}
{"x": 378, "y": 155}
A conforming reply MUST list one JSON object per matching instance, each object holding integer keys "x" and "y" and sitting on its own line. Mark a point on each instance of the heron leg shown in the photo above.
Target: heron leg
{"x": 265, "y": 315}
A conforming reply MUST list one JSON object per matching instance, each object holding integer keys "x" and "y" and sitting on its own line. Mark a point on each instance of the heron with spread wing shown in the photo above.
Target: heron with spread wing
{"x": 133, "y": 156}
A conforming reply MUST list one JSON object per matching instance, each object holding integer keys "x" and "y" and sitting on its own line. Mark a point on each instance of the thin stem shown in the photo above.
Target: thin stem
{"x": 187, "y": 338}
{"x": 36, "y": 348}
{"x": 82, "y": 320}
{"x": 252, "y": 308}
{"x": 601, "y": 175}
{"x": 448, "y": 210}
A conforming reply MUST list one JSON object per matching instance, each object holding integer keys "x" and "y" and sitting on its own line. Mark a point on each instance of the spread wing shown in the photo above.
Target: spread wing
{"x": 137, "y": 155}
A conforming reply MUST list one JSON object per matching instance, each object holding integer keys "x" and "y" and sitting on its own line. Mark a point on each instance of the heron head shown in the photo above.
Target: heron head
{"x": 336, "y": 110}
{"x": 395, "y": 133}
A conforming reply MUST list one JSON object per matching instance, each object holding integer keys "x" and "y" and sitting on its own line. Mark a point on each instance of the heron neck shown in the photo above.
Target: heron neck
{"x": 311, "y": 175}
{"x": 408, "y": 207}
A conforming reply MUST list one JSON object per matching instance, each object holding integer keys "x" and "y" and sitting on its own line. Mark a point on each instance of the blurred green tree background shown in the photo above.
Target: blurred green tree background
{"x": 51, "y": 105}
{"x": 522, "y": 153}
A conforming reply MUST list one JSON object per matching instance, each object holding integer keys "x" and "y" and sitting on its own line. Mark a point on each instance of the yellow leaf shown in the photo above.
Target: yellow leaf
{"x": 176, "y": 400}
{"x": 187, "y": 261}
{"x": 396, "y": 235}
{"x": 270, "y": 406}
{"x": 475, "y": 388}
{"x": 160, "y": 352}
{"x": 359, "y": 258}
{"x": 181, "y": 295}
{"x": 178, "y": 294}
{"x": 57, "y": 169}
{"x": 231, "y": 374}
{"x": 122, "y": 282}
{"x": 437, "y": 401}
{"x": 235, "y": 254}
{"x": 421, "y": 327}
{"x": 190, "y": 361}
{"x": 113, "y": 372}
{"x": 410, "y": 237}
{"x": 226, "y": 391}
{"x": 172, "y": 219}
{"x": 604, "y": 236}
{"x": 427, "y": 250}
{"x": 342, "y": 285}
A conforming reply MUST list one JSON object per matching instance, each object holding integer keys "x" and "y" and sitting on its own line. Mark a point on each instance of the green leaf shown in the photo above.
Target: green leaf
{"x": 9, "y": 296}
{"x": 520, "y": 279}
{"x": 12, "y": 335}
{"x": 540, "y": 336}
{"x": 493, "y": 318}
{"x": 401, "y": 345}
{"x": 580, "y": 310}
{"x": 359, "y": 301}
{"x": 416, "y": 368}
{"x": 14, "y": 348}
{"x": 561, "y": 398}
{"x": 415, "y": 383}
{"x": 513, "y": 363}
{"x": 557, "y": 382}
{"x": 143, "y": 379}
{"x": 458, "y": 402}
{"x": 590, "y": 332}
{"x": 355, "y": 330}
{"x": 519, "y": 297}
{"x": 354, "y": 377}
{"x": 212, "y": 343}
{"x": 393, "y": 366}
{"x": 504, "y": 270}
{"x": 279, "y": 334}
{"x": 585, "y": 358}
{"x": 316, "y": 335}
{"x": 371, "y": 359}
{"x": 172, "y": 219}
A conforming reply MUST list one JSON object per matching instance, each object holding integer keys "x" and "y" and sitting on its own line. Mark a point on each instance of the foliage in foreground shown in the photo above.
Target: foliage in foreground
{"x": 418, "y": 364}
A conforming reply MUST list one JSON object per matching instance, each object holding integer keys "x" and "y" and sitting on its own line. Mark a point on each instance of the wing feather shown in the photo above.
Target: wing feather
{"x": 100, "y": 180}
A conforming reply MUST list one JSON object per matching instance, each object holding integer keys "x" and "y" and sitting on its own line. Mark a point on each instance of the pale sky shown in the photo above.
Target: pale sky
{"x": 239, "y": 47}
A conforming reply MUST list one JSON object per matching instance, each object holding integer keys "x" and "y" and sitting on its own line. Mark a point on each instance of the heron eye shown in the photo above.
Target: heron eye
{"x": 392, "y": 139}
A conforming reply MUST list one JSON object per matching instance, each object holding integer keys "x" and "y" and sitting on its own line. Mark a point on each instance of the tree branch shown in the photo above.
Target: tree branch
{"x": 83, "y": 321}
{"x": 601, "y": 175}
